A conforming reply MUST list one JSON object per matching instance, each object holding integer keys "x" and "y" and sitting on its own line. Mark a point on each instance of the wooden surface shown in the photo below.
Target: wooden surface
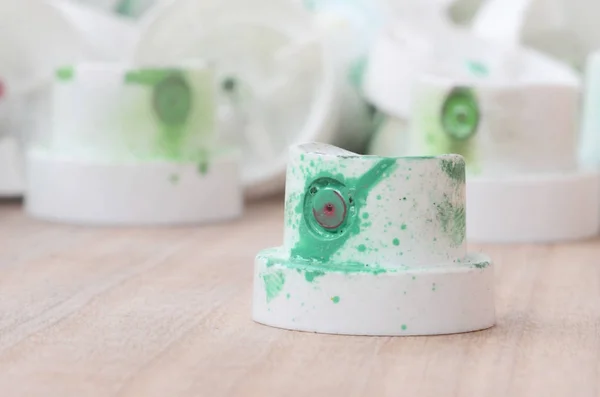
{"x": 166, "y": 312}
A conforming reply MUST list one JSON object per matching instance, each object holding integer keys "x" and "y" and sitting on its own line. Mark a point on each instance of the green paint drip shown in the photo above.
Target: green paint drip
{"x": 273, "y": 284}
{"x": 335, "y": 299}
{"x": 66, "y": 73}
{"x": 454, "y": 168}
{"x": 453, "y": 221}
{"x": 320, "y": 245}
{"x": 172, "y": 102}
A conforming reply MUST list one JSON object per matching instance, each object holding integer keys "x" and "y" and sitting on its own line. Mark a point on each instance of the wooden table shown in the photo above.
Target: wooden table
{"x": 166, "y": 312}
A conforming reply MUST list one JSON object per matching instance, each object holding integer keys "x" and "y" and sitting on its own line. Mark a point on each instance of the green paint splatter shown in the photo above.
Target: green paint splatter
{"x": 287, "y": 296}
{"x": 273, "y": 284}
{"x": 453, "y": 221}
{"x": 481, "y": 265}
{"x": 66, "y": 73}
{"x": 379, "y": 197}
{"x": 365, "y": 215}
{"x": 396, "y": 242}
{"x": 310, "y": 276}
{"x": 361, "y": 248}
{"x": 403, "y": 227}
{"x": 433, "y": 287}
{"x": 403, "y": 327}
{"x": 335, "y": 299}
{"x": 414, "y": 277}
{"x": 315, "y": 243}
{"x": 454, "y": 168}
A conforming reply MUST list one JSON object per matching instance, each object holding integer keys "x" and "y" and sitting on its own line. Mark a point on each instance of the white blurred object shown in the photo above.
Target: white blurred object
{"x": 349, "y": 27}
{"x": 567, "y": 29}
{"x": 36, "y": 37}
{"x": 133, "y": 146}
{"x": 400, "y": 56}
{"x": 128, "y": 8}
{"x": 274, "y": 68}
{"x": 590, "y": 120}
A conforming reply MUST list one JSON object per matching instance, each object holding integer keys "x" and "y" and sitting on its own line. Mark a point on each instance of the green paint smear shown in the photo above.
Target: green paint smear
{"x": 310, "y": 276}
{"x": 273, "y": 284}
{"x": 66, "y": 73}
{"x": 453, "y": 221}
{"x": 312, "y": 269}
{"x": 335, "y": 299}
{"x": 172, "y": 102}
{"x": 478, "y": 68}
{"x": 454, "y": 168}
{"x": 311, "y": 245}
{"x": 149, "y": 77}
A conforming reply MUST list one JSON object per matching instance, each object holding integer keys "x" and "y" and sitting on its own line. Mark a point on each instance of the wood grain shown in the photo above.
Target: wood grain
{"x": 165, "y": 312}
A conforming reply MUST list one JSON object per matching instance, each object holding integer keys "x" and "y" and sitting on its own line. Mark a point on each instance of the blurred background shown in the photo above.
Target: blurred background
{"x": 287, "y": 71}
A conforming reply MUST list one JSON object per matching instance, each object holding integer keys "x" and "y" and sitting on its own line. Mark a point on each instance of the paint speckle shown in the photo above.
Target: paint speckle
{"x": 335, "y": 299}
{"x": 203, "y": 167}
{"x": 379, "y": 197}
{"x": 287, "y": 296}
{"x": 414, "y": 277}
{"x": 481, "y": 265}
{"x": 66, "y": 73}
{"x": 273, "y": 284}
{"x": 403, "y": 227}
{"x": 396, "y": 242}
{"x": 174, "y": 179}
{"x": 403, "y": 327}
{"x": 361, "y": 248}
{"x": 365, "y": 215}
{"x": 433, "y": 287}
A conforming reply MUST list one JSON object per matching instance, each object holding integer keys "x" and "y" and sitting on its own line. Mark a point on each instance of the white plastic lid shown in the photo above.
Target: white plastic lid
{"x": 274, "y": 67}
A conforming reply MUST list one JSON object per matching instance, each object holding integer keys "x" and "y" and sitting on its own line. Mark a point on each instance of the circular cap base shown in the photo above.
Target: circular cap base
{"x": 84, "y": 192}
{"x": 298, "y": 295}
{"x": 12, "y": 181}
{"x": 534, "y": 208}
